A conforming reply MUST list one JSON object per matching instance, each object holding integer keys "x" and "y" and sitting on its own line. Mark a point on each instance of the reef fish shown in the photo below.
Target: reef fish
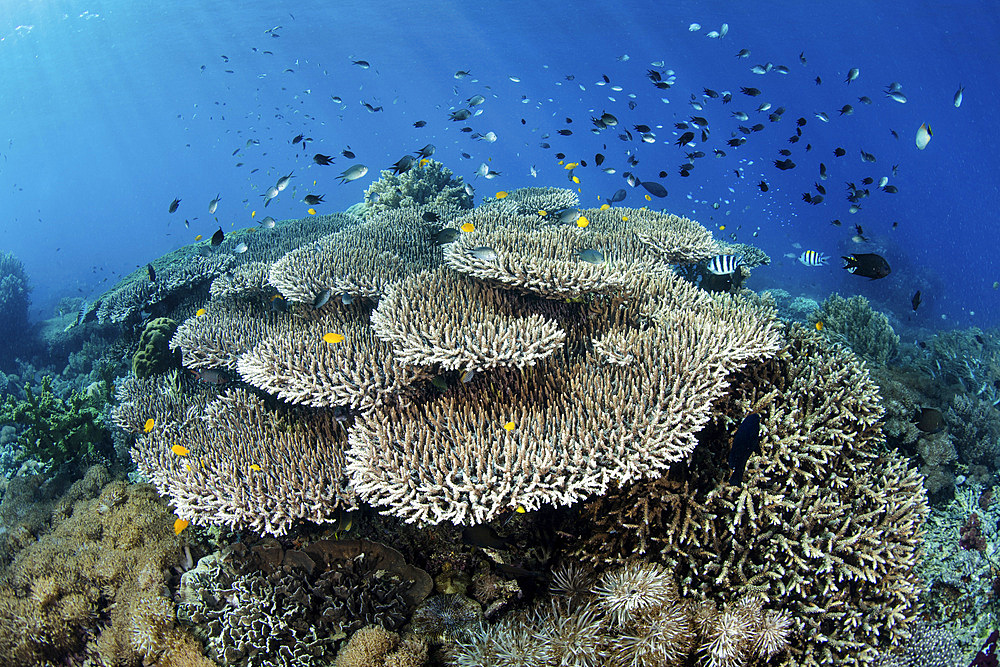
{"x": 217, "y": 237}
{"x": 746, "y": 442}
{"x": 210, "y": 376}
{"x": 813, "y": 258}
{"x": 915, "y": 301}
{"x": 214, "y": 204}
{"x": 353, "y": 173}
{"x": 929, "y": 420}
{"x": 868, "y": 265}
{"x": 152, "y": 273}
{"x": 924, "y": 134}
{"x": 177, "y": 202}
{"x": 723, "y": 265}
{"x": 322, "y": 298}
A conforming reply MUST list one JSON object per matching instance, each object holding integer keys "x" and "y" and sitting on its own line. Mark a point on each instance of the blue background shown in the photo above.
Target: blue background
{"x": 112, "y": 109}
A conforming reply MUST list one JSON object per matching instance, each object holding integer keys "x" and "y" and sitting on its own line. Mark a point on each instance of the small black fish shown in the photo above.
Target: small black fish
{"x": 420, "y": 123}
{"x": 785, "y": 152}
{"x": 429, "y": 216}
{"x": 654, "y": 188}
{"x": 618, "y": 196}
{"x": 348, "y": 153}
{"x": 598, "y": 159}
{"x": 297, "y": 139}
{"x": 784, "y": 165}
{"x": 322, "y": 298}
{"x": 818, "y": 81}
{"x": 560, "y": 156}
{"x": 684, "y": 138}
{"x": 152, "y": 273}
{"x": 867, "y": 265}
{"x": 801, "y": 121}
{"x": 173, "y": 205}
{"x": 312, "y": 200}
{"x": 445, "y": 236}
{"x": 929, "y": 420}
{"x": 217, "y": 237}
{"x": 643, "y": 128}
{"x": 891, "y": 189}
{"x": 565, "y": 132}
{"x": 324, "y": 160}
{"x": 839, "y": 152}
{"x": 916, "y": 301}
{"x": 763, "y": 186}
{"x": 752, "y": 92}
{"x": 363, "y": 64}
{"x": 746, "y": 442}
{"x": 867, "y": 157}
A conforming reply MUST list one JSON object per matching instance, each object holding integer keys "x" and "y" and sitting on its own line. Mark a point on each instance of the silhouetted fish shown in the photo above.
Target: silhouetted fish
{"x": 746, "y": 442}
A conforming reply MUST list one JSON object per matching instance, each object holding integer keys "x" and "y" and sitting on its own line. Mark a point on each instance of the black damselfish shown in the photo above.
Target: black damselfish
{"x": 867, "y": 264}
{"x": 746, "y": 442}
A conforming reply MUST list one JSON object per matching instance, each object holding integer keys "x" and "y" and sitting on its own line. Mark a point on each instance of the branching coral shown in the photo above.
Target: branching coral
{"x": 240, "y": 464}
{"x": 852, "y": 321}
{"x": 57, "y": 429}
{"x": 825, "y": 521}
{"x": 426, "y": 183}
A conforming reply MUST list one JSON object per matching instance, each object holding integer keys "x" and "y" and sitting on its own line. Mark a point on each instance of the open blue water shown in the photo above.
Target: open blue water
{"x": 112, "y": 109}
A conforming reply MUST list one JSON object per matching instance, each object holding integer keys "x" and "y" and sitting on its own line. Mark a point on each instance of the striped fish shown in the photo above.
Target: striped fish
{"x": 813, "y": 258}
{"x": 723, "y": 265}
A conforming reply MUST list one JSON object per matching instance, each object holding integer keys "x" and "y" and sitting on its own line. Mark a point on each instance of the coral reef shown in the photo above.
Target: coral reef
{"x": 374, "y": 646}
{"x": 428, "y": 183}
{"x": 94, "y": 585}
{"x": 530, "y": 201}
{"x": 153, "y": 355}
{"x": 961, "y": 564}
{"x": 825, "y": 522}
{"x": 14, "y": 299}
{"x": 271, "y": 606}
{"x": 57, "y": 429}
{"x": 927, "y": 646}
{"x": 633, "y": 616}
{"x": 853, "y": 322}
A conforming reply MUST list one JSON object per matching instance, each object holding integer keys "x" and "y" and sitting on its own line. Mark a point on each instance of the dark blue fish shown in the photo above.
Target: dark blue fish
{"x": 654, "y": 188}
{"x": 746, "y": 442}
{"x": 618, "y": 196}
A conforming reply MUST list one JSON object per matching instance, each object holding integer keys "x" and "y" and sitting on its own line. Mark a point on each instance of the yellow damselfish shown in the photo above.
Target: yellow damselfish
{"x": 582, "y": 222}
{"x": 501, "y": 194}
{"x": 180, "y": 450}
{"x": 201, "y": 311}
{"x": 148, "y": 426}
{"x": 509, "y": 426}
{"x": 197, "y": 238}
{"x": 254, "y": 467}
{"x": 311, "y": 211}
{"x": 332, "y": 338}
{"x": 605, "y": 207}
{"x": 819, "y": 326}
{"x": 180, "y": 525}
{"x": 468, "y": 227}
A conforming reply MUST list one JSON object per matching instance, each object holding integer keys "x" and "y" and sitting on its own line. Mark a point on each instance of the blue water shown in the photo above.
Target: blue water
{"x": 112, "y": 109}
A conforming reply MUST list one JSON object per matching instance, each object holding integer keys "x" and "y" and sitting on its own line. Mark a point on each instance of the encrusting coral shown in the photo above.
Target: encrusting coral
{"x": 826, "y": 521}
{"x": 154, "y": 355}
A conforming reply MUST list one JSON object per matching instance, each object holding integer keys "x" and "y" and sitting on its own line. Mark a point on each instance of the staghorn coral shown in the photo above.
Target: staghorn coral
{"x": 246, "y": 281}
{"x": 436, "y": 318}
{"x": 627, "y": 409}
{"x": 557, "y": 261}
{"x": 825, "y": 521}
{"x": 14, "y": 299}
{"x": 154, "y": 355}
{"x": 428, "y": 183}
{"x": 530, "y": 201}
{"x": 246, "y": 466}
{"x": 359, "y": 261}
{"x": 853, "y": 322}
{"x": 300, "y": 367}
{"x": 226, "y": 331}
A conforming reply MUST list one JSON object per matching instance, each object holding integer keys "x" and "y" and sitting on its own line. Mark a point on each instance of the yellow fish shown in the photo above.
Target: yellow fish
{"x": 576, "y": 179}
{"x": 648, "y": 198}
{"x": 582, "y": 222}
{"x": 571, "y": 165}
{"x": 722, "y": 228}
{"x": 509, "y": 426}
{"x": 311, "y": 211}
{"x": 253, "y": 214}
{"x": 197, "y": 238}
{"x": 255, "y": 467}
{"x": 201, "y": 311}
{"x": 180, "y": 525}
{"x": 605, "y": 207}
{"x": 468, "y": 227}
{"x": 148, "y": 426}
{"x": 624, "y": 218}
{"x": 520, "y": 509}
{"x": 332, "y": 338}
{"x": 543, "y": 213}
{"x": 501, "y": 194}
{"x": 424, "y": 162}
{"x": 819, "y": 326}
{"x": 180, "y": 450}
